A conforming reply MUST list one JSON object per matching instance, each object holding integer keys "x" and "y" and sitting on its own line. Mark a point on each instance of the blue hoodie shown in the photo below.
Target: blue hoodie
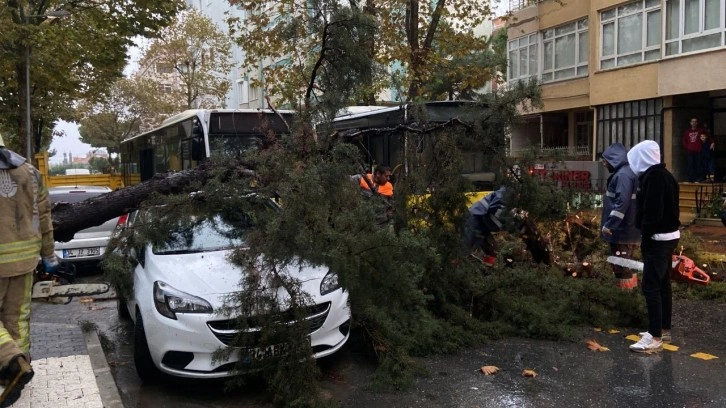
{"x": 619, "y": 209}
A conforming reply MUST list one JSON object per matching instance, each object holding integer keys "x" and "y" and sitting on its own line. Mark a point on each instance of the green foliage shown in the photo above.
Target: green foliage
{"x": 100, "y": 165}
{"x": 128, "y": 106}
{"x": 77, "y": 57}
{"x": 537, "y": 302}
{"x": 194, "y": 52}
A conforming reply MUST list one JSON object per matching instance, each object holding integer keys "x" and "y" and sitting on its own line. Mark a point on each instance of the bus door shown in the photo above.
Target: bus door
{"x": 146, "y": 164}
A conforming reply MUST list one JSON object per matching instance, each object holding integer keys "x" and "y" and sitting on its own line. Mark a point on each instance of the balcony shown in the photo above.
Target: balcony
{"x": 515, "y": 5}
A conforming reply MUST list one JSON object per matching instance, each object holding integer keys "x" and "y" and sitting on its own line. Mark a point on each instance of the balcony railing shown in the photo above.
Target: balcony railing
{"x": 515, "y": 5}
{"x": 558, "y": 152}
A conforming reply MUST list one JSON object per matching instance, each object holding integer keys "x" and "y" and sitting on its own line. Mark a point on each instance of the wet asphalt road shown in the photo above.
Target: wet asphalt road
{"x": 568, "y": 373}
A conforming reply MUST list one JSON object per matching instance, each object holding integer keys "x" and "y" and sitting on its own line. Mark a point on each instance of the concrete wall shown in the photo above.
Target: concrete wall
{"x": 692, "y": 73}
{"x": 624, "y": 84}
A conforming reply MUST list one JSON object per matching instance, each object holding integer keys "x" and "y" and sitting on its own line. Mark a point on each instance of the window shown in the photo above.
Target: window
{"x": 583, "y": 130}
{"x": 693, "y": 25}
{"x": 164, "y": 68}
{"x": 630, "y": 34}
{"x": 629, "y": 123}
{"x": 565, "y": 51}
{"x": 165, "y": 88}
{"x": 522, "y": 58}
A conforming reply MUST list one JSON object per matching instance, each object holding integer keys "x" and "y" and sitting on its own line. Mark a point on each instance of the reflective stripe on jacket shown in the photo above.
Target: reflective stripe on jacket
{"x": 26, "y": 231}
{"x": 619, "y": 209}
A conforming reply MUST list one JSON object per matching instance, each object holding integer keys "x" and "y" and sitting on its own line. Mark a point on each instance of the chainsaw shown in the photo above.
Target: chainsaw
{"x": 683, "y": 269}
{"x": 58, "y": 286}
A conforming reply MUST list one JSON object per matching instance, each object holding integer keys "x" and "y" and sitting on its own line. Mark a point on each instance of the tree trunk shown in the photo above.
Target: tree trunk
{"x": 71, "y": 218}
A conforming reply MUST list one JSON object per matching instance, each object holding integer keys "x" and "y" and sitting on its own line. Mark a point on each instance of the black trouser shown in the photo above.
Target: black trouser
{"x": 657, "y": 258}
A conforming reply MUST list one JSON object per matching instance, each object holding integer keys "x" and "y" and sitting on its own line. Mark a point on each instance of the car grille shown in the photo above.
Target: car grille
{"x": 226, "y": 331}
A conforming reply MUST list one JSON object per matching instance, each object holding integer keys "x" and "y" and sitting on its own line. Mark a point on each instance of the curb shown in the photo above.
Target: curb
{"x": 104, "y": 379}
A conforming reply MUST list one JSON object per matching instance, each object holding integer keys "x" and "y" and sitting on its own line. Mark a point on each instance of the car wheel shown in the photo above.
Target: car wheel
{"x": 145, "y": 368}
{"x": 122, "y": 309}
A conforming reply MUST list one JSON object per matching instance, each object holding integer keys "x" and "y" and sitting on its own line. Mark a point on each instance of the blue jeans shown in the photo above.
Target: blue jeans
{"x": 657, "y": 258}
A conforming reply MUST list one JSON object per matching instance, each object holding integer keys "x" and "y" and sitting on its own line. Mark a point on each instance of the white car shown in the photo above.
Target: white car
{"x": 179, "y": 290}
{"x": 88, "y": 245}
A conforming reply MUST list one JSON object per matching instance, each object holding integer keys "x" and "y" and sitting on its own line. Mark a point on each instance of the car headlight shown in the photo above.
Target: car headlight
{"x": 329, "y": 283}
{"x": 169, "y": 301}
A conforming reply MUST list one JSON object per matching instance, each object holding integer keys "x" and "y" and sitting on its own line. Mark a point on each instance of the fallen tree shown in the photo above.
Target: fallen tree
{"x": 69, "y": 218}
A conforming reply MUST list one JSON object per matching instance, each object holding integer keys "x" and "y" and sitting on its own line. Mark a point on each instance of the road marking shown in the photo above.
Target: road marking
{"x": 703, "y": 356}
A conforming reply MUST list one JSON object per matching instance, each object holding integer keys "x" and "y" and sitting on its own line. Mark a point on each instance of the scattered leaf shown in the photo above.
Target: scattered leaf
{"x": 86, "y": 300}
{"x": 529, "y": 373}
{"x": 489, "y": 370}
{"x": 613, "y": 331}
{"x": 597, "y": 329}
{"x": 595, "y": 346}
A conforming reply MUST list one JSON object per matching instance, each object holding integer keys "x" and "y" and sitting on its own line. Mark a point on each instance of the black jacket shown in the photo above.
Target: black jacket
{"x": 657, "y": 202}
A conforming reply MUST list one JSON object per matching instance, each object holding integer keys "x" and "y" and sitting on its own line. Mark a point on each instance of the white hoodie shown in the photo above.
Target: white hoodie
{"x": 643, "y": 155}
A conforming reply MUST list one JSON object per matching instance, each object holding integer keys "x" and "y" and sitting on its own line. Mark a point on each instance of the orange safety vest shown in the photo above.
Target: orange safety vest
{"x": 385, "y": 190}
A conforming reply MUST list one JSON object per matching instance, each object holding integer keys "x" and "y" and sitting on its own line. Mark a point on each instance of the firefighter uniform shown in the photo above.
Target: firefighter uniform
{"x": 26, "y": 235}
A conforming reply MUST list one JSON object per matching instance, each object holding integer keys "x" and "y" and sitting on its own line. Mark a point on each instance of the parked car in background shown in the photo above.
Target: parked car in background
{"x": 179, "y": 292}
{"x": 88, "y": 245}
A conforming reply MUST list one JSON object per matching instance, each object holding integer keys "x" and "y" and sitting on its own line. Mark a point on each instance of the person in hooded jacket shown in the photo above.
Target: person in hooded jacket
{"x": 485, "y": 218}
{"x": 657, "y": 217}
{"x": 618, "y": 213}
{"x": 26, "y": 236}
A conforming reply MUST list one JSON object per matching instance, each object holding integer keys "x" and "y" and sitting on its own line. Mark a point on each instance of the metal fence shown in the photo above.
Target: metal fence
{"x": 561, "y": 152}
{"x": 519, "y": 4}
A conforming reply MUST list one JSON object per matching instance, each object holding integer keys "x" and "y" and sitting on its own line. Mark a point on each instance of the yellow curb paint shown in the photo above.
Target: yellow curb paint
{"x": 613, "y": 331}
{"x": 670, "y": 347}
{"x": 703, "y": 356}
{"x": 633, "y": 337}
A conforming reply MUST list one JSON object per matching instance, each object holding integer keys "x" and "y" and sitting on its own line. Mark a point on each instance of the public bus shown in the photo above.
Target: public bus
{"x": 188, "y": 138}
{"x": 386, "y": 145}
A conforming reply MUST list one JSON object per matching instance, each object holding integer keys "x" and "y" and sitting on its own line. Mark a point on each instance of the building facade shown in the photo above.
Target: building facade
{"x": 620, "y": 71}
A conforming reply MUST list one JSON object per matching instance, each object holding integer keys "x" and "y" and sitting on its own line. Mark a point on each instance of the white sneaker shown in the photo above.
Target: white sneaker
{"x": 647, "y": 344}
{"x": 665, "y": 336}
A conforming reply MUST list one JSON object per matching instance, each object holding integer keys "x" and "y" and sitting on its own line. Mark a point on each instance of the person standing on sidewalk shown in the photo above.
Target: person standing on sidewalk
{"x": 618, "y": 212}
{"x": 26, "y": 234}
{"x": 658, "y": 219}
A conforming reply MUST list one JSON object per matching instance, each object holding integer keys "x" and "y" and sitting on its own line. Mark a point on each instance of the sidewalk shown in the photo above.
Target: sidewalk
{"x": 70, "y": 370}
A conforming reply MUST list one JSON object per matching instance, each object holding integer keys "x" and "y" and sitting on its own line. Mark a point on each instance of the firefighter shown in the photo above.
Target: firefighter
{"x": 618, "y": 212}
{"x": 26, "y": 234}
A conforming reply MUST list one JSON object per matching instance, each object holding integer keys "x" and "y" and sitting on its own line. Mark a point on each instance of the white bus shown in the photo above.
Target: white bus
{"x": 186, "y": 139}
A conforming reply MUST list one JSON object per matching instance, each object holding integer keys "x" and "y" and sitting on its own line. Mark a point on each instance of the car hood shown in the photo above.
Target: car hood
{"x": 211, "y": 274}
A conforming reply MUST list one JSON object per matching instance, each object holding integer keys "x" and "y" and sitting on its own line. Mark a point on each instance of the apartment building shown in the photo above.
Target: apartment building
{"x": 620, "y": 71}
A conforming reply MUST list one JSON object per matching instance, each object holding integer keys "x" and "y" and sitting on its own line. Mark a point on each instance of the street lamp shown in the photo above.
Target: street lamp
{"x": 28, "y": 128}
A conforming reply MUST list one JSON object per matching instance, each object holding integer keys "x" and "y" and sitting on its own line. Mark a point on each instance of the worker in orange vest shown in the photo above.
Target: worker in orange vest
{"x": 379, "y": 181}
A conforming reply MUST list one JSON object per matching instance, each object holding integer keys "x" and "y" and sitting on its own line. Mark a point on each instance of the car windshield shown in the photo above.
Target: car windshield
{"x": 202, "y": 235}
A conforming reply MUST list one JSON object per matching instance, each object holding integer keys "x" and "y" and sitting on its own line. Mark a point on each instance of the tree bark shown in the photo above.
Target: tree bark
{"x": 71, "y": 218}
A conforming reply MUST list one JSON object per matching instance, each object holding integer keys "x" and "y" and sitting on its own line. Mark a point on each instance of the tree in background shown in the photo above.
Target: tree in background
{"x": 192, "y": 58}
{"x": 76, "y": 58}
{"x": 290, "y": 41}
{"x": 130, "y": 106}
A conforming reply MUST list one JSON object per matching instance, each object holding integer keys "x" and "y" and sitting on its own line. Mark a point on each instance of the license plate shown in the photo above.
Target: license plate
{"x": 81, "y": 252}
{"x": 266, "y": 352}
